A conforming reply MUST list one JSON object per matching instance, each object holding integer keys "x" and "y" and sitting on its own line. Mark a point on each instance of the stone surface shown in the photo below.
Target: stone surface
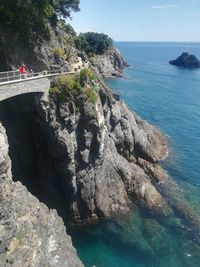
{"x": 55, "y": 53}
{"x": 186, "y": 60}
{"x": 40, "y": 85}
{"x": 96, "y": 153}
{"x": 110, "y": 64}
{"x": 108, "y": 158}
{"x": 30, "y": 233}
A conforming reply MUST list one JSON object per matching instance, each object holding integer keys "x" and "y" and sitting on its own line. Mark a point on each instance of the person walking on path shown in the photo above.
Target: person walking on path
{"x": 22, "y": 71}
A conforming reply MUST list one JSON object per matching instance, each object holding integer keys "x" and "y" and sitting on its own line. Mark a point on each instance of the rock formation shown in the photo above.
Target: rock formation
{"x": 187, "y": 61}
{"x": 55, "y": 53}
{"x": 110, "y": 64}
{"x": 30, "y": 233}
{"x": 108, "y": 158}
{"x": 96, "y": 153}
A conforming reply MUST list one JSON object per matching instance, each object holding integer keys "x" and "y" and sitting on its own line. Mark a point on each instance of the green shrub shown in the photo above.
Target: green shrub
{"x": 19, "y": 236}
{"x": 58, "y": 52}
{"x": 86, "y": 76}
{"x": 91, "y": 94}
{"x": 71, "y": 82}
{"x": 75, "y": 85}
{"x": 77, "y": 110}
{"x": 58, "y": 92}
{"x": 54, "y": 90}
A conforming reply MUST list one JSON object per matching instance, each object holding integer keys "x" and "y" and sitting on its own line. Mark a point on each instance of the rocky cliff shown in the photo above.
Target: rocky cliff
{"x": 83, "y": 153}
{"x": 87, "y": 156}
{"x": 56, "y": 52}
{"x": 110, "y": 64}
{"x": 30, "y": 233}
{"x": 96, "y": 152}
{"x": 108, "y": 158}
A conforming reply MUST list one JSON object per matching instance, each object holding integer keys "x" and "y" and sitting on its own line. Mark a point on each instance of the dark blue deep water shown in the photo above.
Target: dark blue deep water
{"x": 168, "y": 97}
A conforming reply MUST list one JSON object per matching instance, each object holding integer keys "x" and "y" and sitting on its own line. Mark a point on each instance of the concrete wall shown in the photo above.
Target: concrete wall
{"x": 24, "y": 86}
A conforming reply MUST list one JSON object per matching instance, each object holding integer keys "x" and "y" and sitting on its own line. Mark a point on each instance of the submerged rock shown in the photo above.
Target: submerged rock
{"x": 186, "y": 60}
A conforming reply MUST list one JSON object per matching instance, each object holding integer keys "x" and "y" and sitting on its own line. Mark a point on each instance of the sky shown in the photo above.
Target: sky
{"x": 140, "y": 20}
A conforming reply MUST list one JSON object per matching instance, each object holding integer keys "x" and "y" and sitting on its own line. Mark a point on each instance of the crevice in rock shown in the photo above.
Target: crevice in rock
{"x": 31, "y": 163}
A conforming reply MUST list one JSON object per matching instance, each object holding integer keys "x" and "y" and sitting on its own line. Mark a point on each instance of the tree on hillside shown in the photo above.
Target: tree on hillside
{"x": 28, "y": 19}
{"x": 65, "y": 7}
{"x": 93, "y": 43}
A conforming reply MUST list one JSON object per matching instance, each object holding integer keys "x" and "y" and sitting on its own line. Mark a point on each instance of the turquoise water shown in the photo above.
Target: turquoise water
{"x": 168, "y": 97}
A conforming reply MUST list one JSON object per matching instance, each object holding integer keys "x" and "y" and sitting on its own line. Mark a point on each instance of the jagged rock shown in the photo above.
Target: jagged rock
{"x": 186, "y": 60}
{"x": 109, "y": 160}
{"x": 110, "y": 64}
{"x": 30, "y": 233}
{"x": 96, "y": 156}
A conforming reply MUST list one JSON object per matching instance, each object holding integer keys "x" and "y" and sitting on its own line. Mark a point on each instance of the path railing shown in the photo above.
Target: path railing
{"x": 15, "y": 76}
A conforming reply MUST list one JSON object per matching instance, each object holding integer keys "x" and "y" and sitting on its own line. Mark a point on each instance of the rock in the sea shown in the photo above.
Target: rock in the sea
{"x": 186, "y": 60}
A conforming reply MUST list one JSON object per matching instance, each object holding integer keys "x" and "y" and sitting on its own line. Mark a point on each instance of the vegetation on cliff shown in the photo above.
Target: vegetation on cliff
{"x": 29, "y": 19}
{"x": 93, "y": 43}
{"x": 28, "y": 27}
{"x": 75, "y": 86}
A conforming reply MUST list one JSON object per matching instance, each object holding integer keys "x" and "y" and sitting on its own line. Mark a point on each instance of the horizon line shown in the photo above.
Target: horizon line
{"x": 156, "y": 41}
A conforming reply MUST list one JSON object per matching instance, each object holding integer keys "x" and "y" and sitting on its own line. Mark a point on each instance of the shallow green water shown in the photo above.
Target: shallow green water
{"x": 137, "y": 241}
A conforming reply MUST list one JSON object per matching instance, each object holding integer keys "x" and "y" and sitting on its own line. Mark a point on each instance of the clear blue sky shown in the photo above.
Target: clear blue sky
{"x": 140, "y": 20}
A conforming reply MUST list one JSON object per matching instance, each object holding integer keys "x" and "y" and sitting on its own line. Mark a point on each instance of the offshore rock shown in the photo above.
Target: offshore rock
{"x": 110, "y": 64}
{"x": 30, "y": 234}
{"x": 187, "y": 61}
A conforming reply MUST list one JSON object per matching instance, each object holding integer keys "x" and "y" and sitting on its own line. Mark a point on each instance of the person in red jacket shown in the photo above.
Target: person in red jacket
{"x": 22, "y": 69}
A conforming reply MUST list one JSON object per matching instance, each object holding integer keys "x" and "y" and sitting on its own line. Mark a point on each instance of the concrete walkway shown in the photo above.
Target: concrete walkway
{"x": 12, "y": 83}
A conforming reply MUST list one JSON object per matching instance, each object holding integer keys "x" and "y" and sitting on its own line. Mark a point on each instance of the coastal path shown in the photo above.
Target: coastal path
{"x": 12, "y": 83}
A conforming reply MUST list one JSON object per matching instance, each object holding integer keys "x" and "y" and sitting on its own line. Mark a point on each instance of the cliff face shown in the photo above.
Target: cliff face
{"x": 88, "y": 161}
{"x": 30, "y": 233}
{"x": 110, "y": 64}
{"x": 100, "y": 155}
{"x": 57, "y": 52}
{"x": 107, "y": 159}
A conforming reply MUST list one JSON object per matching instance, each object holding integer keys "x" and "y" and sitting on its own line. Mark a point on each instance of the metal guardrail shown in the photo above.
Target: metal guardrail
{"x": 15, "y": 75}
{"x": 12, "y": 76}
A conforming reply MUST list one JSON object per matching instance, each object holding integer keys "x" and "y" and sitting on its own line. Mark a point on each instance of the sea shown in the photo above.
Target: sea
{"x": 169, "y": 98}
